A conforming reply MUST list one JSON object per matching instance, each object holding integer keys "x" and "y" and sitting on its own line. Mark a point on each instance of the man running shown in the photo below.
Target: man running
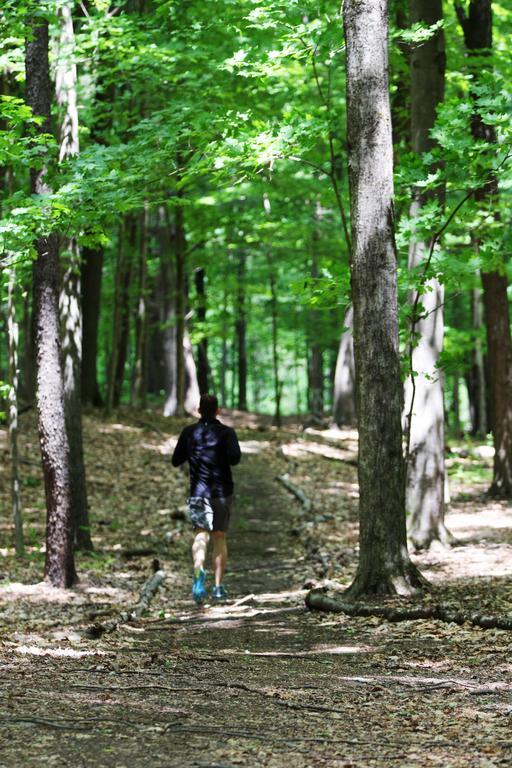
{"x": 211, "y": 449}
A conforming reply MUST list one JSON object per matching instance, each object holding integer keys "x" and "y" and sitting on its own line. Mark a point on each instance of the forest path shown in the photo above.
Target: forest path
{"x": 259, "y": 681}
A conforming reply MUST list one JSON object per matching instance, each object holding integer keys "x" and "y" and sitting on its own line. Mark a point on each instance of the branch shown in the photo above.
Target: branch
{"x": 148, "y": 591}
{"x": 296, "y": 491}
{"x": 317, "y": 600}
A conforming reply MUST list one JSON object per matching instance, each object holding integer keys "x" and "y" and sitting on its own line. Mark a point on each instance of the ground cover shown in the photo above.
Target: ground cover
{"x": 260, "y": 680}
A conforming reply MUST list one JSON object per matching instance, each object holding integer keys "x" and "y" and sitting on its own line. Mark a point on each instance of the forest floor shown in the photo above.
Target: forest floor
{"x": 260, "y": 680}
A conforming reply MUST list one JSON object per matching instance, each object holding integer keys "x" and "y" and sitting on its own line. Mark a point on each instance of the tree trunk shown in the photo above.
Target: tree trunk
{"x": 315, "y": 359}
{"x": 13, "y": 336}
{"x": 202, "y": 348}
{"x": 384, "y": 565}
{"x": 120, "y": 319}
{"x": 278, "y": 385}
{"x": 59, "y": 562}
{"x": 344, "y": 409}
{"x": 192, "y": 393}
{"x": 477, "y": 386}
{"x": 180, "y": 246}
{"x": 140, "y": 374}
{"x": 92, "y": 269}
{"x": 166, "y": 297}
{"x": 70, "y": 296}
{"x": 224, "y": 348}
{"x": 477, "y": 28}
{"x": 241, "y": 327}
{"x": 425, "y": 388}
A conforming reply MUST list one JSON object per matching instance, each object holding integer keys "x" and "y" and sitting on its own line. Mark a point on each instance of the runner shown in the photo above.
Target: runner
{"x": 210, "y": 448}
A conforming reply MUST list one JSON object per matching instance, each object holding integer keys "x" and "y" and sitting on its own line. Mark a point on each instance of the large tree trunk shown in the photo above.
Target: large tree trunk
{"x": 425, "y": 388}
{"x": 92, "y": 269}
{"x": 384, "y": 565}
{"x": 240, "y": 328}
{"x": 125, "y": 312}
{"x": 477, "y": 28}
{"x": 344, "y": 409}
{"x": 70, "y": 296}
{"x": 59, "y": 563}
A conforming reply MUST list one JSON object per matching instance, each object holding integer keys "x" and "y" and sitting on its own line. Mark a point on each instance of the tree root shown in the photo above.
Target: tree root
{"x": 148, "y": 590}
{"x": 297, "y": 492}
{"x": 319, "y": 601}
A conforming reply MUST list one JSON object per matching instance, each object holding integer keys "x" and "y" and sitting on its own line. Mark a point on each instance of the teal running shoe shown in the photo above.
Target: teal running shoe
{"x": 219, "y": 593}
{"x": 199, "y": 592}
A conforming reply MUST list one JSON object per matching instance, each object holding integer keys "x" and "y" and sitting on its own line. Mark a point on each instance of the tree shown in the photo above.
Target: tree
{"x": 70, "y": 295}
{"x": 384, "y": 565}
{"x": 13, "y": 337}
{"x": 344, "y": 411}
{"x": 59, "y": 561}
{"x": 425, "y": 482}
{"x": 477, "y": 27}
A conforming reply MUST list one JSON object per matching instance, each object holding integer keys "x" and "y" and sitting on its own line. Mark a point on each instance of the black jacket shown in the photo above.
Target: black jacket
{"x": 211, "y": 449}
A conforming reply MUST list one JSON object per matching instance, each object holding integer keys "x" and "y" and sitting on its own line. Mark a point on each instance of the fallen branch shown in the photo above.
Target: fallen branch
{"x": 317, "y": 600}
{"x": 296, "y": 491}
{"x": 148, "y": 590}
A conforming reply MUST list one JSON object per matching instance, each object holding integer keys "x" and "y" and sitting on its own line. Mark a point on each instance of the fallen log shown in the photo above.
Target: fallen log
{"x": 296, "y": 491}
{"x": 318, "y": 600}
{"x": 148, "y": 591}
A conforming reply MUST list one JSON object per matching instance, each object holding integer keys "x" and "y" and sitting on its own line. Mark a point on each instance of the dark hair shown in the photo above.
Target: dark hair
{"x": 208, "y": 406}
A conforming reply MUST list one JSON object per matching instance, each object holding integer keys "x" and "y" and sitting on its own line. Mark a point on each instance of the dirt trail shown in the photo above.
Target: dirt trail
{"x": 260, "y": 682}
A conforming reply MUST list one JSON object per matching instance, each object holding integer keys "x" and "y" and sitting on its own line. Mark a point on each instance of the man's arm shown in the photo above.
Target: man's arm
{"x": 180, "y": 454}
{"x": 233, "y": 448}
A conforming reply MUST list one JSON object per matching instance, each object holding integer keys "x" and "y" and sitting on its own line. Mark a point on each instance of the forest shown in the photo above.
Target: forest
{"x": 303, "y": 209}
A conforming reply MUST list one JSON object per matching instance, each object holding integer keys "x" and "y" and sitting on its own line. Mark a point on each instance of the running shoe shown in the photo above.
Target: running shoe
{"x": 199, "y": 592}
{"x": 219, "y": 593}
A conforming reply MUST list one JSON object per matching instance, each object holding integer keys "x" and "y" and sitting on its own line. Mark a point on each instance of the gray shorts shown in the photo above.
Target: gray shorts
{"x": 210, "y": 514}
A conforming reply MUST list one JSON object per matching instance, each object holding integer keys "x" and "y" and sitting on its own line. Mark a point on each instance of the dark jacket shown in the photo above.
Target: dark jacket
{"x": 211, "y": 449}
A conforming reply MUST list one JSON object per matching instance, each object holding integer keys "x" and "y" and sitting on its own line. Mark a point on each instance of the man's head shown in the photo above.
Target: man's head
{"x": 208, "y": 406}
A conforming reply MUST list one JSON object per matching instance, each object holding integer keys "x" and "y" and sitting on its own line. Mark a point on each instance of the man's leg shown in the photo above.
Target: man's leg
{"x": 199, "y": 554}
{"x": 220, "y": 556}
{"x": 199, "y": 547}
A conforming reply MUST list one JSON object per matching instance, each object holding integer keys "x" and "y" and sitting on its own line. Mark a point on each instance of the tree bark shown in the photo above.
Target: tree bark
{"x": 125, "y": 311}
{"x": 59, "y": 562}
{"x": 240, "y": 328}
{"x": 70, "y": 296}
{"x": 140, "y": 377}
{"x": 166, "y": 298}
{"x": 477, "y": 385}
{"x": 13, "y": 336}
{"x": 384, "y": 565}
{"x": 424, "y": 390}
{"x": 344, "y": 409}
{"x": 315, "y": 361}
{"x": 477, "y": 28}
{"x": 91, "y": 275}
{"x": 180, "y": 247}
{"x": 278, "y": 384}
{"x": 202, "y": 348}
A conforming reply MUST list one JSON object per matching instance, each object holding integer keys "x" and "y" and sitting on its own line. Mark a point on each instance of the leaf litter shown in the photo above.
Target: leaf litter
{"x": 259, "y": 680}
